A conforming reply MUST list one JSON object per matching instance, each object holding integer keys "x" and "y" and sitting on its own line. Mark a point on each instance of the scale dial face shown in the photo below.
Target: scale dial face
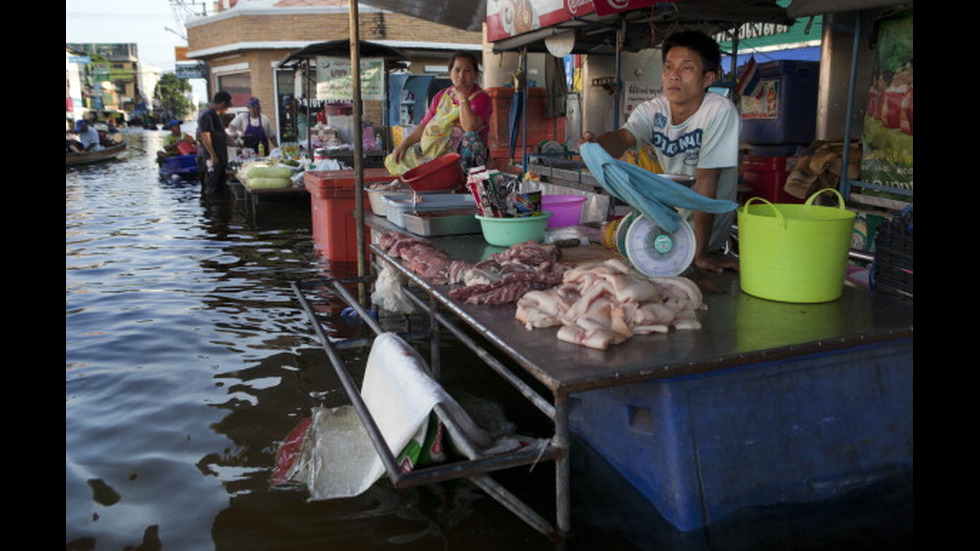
{"x": 656, "y": 252}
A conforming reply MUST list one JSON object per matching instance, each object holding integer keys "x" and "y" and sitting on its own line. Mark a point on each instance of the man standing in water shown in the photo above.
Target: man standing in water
{"x": 214, "y": 142}
{"x": 693, "y": 132}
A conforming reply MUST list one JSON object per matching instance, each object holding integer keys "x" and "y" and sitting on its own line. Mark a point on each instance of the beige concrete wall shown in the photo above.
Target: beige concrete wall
{"x": 319, "y": 28}
{"x": 223, "y": 32}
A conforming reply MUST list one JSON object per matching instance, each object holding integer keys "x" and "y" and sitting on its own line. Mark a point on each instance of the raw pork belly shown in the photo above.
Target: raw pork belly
{"x": 605, "y": 303}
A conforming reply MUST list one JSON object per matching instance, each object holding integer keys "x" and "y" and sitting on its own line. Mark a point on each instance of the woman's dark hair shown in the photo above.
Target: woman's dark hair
{"x": 701, "y": 43}
{"x": 462, "y": 54}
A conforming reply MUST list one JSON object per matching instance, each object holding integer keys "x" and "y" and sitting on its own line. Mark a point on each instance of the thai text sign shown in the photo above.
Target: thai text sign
{"x": 334, "y": 79}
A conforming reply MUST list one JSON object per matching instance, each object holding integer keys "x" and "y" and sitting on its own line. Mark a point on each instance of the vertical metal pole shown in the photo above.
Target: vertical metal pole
{"x": 358, "y": 139}
{"x": 845, "y": 185}
{"x": 733, "y": 70}
{"x": 563, "y": 476}
{"x": 618, "y": 84}
{"x": 435, "y": 340}
{"x": 309, "y": 104}
{"x": 527, "y": 97}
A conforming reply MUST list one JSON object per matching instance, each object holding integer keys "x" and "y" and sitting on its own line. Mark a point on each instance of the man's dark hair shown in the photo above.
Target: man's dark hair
{"x": 222, "y": 97}
{"x": 463, "y": 54}
{"x": 701, "y": 43}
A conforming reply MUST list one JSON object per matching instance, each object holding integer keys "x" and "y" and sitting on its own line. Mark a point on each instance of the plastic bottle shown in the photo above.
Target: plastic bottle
{"x": 261, "y": 150}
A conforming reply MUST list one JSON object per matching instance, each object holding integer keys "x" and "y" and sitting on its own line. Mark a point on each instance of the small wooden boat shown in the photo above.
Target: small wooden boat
{"x": 106, "y": 153}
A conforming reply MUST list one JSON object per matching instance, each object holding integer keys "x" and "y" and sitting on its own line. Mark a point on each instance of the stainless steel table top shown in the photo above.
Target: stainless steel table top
{"x": 737, "y": 329}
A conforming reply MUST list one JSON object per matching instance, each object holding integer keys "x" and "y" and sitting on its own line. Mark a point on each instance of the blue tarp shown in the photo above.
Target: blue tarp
{"x": 795, "y": 54}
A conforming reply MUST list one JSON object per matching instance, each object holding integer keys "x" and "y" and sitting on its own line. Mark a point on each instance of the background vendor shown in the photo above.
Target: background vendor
{"x": 252, "y": 127}
{"x": 692, "y": 132}
{"x": 172, "y": 143}
{"x": 457, "y": 122}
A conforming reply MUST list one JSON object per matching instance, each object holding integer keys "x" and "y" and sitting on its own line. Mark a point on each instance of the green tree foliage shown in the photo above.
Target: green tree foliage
{"x": 173, "y": 94}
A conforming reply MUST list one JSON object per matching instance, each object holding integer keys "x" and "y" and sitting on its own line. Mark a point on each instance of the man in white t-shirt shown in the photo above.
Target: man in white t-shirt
{"x": 693, "y": 132}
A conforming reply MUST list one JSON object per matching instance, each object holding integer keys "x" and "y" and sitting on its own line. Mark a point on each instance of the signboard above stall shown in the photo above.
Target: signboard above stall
{"x": 528, "y": 24}
{"x": 334, "y": 79}
{"x": 507, "y": 18}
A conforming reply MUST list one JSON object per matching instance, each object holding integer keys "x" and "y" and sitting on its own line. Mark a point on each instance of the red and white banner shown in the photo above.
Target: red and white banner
{"x": 507, "y": 18}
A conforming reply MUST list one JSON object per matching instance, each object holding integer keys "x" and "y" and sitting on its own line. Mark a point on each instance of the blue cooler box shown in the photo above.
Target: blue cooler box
{"x": 700, "y": 448}
{"x": 784, "y": 110}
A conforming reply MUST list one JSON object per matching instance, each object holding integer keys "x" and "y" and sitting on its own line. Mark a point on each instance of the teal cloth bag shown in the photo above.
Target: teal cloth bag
{"x": 653, "y": 195}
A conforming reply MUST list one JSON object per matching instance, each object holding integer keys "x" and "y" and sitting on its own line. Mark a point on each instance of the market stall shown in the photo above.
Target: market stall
{"x": 741, "y": 411}
{"x": 738, "y": 400}
{"x": 326, "y": 73}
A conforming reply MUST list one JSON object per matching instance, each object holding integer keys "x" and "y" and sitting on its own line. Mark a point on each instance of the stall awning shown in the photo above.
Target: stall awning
{"x": 341, "y": 48}
{"x": 803, "y": 8}
{"x": 467, "y": 15}
{"x": 646, "y": 28}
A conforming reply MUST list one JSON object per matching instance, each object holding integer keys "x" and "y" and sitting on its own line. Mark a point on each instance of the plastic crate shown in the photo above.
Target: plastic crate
{"x": 892, "y": 269}
{"x": 767, "y": 178}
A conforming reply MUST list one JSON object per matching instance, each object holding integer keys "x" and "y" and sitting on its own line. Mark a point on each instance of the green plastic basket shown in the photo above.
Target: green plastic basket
{"x": 794, "y": 253}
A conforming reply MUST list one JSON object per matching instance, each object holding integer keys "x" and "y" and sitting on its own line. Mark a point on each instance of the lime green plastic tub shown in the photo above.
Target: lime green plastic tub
{"x": 504, "y": 232}
{"x": 792, "y": 252}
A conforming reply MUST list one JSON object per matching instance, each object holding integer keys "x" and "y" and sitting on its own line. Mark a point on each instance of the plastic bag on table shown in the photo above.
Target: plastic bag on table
{"x": 389, "y": 294}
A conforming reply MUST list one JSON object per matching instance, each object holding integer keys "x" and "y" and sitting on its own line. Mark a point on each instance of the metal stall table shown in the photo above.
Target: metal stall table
{"x": 749, "y": 353}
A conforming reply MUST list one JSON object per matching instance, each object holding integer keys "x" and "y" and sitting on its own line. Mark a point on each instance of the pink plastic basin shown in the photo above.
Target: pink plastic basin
{"x": 566, "y": 209}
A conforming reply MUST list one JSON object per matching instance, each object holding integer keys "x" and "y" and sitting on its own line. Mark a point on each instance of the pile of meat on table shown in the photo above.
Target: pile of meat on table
{"x": 597, "y": 304}
{"x": 501, "y": 278}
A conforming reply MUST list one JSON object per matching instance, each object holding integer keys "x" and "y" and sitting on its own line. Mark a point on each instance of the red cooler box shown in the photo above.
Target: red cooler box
{"x": 332, "y": 206}
{"x": 767, "y": 178}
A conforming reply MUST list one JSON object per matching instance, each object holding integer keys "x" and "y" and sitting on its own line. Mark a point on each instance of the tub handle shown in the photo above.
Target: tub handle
{"x": 779, "y": 216}
{"x": 840, "y": 198}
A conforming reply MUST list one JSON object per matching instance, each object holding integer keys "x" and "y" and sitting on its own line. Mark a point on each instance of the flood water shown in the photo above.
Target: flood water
{"x": 188, "y": 360}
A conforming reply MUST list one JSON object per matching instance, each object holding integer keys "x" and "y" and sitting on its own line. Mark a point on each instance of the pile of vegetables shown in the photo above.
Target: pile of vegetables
{"x": 265, "y": 175}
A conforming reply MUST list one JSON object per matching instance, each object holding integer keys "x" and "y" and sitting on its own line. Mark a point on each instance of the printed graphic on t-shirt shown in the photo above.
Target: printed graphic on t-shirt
{"x": 687, "y": 145}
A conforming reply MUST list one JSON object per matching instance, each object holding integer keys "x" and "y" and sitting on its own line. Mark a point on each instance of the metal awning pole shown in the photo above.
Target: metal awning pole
{"x": 618, "y": 85}
{"x": 527, "y": 97}
{"x": 309, "y": 105}
{"x": 844, "y": 183}
{"x": 358, "y": 139}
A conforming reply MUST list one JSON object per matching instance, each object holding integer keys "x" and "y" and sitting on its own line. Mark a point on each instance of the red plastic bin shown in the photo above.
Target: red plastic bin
{"x": 332, "y": 207}
{"x": 767, "y": 178}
